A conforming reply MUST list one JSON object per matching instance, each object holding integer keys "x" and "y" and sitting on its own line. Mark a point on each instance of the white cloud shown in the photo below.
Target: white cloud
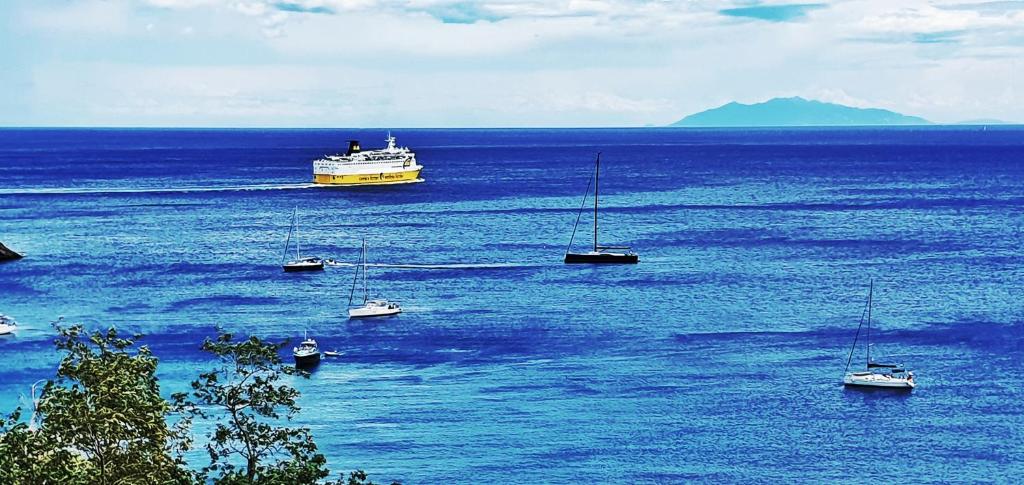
{"x": 569, "y": 62}
{"x": 592, "y": 101}
{"x": 180, "y": 3}
{"x": 90, "y": 17}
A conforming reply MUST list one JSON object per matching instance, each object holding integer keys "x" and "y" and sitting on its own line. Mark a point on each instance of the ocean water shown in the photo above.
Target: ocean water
{"x": 717, "y": 358}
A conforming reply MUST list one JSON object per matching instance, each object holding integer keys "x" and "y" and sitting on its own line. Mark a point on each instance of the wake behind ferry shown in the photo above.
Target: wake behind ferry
{"x": 389, "y": 165}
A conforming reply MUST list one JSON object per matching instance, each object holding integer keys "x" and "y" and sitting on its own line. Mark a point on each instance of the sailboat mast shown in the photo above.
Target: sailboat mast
{"x": 355, "y": 281}
{"x": 366, "y": 293}
{"x": 871, "y": 289}
{"x": 295, "y": 219}
{"x": 597, "y": 176}
{"x": 288, "y": 240}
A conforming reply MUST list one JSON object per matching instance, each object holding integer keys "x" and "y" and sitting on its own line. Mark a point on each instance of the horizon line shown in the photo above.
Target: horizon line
{"x": 608, "y": 127}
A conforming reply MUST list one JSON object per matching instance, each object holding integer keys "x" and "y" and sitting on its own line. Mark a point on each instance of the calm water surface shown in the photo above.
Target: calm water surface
{"x": 717, "y": 358}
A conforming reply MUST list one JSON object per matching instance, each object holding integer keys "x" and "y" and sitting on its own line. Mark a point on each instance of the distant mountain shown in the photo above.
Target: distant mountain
{"x": 796, "y": 112}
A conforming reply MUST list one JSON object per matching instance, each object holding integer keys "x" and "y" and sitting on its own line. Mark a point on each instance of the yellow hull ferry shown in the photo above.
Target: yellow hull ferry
{"x": 389, "y": 165}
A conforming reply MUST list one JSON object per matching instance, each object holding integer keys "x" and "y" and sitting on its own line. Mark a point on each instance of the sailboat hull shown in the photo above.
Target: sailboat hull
{"x": 365, "y": 312}
{"x": 601, "y": 258}
{"x": 296, "y": 267}
{"x": 877, "y": 381}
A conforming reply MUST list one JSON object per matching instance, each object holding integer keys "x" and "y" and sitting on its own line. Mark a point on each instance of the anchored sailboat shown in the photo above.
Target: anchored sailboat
{"x": 878, "y": 375}
{"x": 600, "y": 254}
{"x": 369, "y": 308}
{"x": 299, "y": 263}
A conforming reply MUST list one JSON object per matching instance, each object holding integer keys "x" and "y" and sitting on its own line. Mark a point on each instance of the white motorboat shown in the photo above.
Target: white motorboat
{"x": 7, "y": 325}
{"x": 875, "y": 375}
{"x": 369, "y": 308}
{"x": 299, "y": 263}
{"x": 307, "y": 354}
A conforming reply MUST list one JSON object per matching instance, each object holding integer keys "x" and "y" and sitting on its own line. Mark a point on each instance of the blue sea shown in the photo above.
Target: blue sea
{"x": 717, "y": 358}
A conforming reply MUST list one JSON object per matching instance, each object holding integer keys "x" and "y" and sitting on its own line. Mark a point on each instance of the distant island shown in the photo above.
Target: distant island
{"x": 796, "y": 111}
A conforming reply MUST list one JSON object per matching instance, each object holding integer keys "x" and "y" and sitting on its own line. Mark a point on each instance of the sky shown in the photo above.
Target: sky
{"x": 497, "y": 63}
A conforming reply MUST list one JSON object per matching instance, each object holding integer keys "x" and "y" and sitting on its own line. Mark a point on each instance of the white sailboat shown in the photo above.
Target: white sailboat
{"x": 876, "y": 375}
{"x": 299, "y": 263}
{"x": 369, "y": 308}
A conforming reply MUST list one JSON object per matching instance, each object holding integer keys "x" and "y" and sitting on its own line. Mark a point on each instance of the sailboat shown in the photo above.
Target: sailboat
{"x": 299, "y": 263}
{"x": 875, "y": 375}
{"x": 369, "y": 308}
{"x": 599, "y": 254}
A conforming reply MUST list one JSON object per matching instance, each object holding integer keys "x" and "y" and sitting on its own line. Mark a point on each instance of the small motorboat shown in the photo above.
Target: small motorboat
{"x": 307, "y": 354}
{"x": 375, "y": 308}
{"x": 333, "y": 353}
{"x": 7, "y": 325}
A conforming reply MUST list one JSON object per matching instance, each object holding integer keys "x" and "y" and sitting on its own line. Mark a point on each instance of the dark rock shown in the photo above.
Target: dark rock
{"x": 7, "y": 254}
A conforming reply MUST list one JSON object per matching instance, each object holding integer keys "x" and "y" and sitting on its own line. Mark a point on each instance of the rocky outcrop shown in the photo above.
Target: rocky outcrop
{"x": 7, "y": 254}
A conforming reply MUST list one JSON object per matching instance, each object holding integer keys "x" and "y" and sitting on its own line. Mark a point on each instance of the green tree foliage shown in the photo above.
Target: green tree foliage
{"x": 102, "y": 420}
{"x": 248, "y": 399}
{"x": 28, "y": 456}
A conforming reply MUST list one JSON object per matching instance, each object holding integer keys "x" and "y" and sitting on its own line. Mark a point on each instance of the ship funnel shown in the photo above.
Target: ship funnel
{"x": 353, "y": 147}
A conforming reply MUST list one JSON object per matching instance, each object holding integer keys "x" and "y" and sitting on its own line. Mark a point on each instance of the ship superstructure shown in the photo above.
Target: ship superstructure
{"x": 389, "y": 165}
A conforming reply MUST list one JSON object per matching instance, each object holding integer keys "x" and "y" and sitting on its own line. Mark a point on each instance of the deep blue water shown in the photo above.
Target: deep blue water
{"x": 717, "y": 358}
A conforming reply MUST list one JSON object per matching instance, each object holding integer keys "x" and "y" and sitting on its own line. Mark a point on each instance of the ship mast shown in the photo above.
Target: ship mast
{"x": 597, "y": 175}
{"x": 864, "y": 313}
{"x": 288, "y": 240}
{"x": 366, "y": 292}
{"x": 295, "y": 219}
{"x": 871, "y": 289}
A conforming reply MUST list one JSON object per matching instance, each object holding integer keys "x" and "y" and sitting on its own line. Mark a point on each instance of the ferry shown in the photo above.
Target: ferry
{"x": 389, "y": 165}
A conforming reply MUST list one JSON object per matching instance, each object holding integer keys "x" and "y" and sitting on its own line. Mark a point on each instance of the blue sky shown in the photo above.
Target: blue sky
{"x": 463, "y": 63}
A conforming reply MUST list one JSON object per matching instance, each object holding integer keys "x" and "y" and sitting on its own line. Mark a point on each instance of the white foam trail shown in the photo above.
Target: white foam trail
{"x": 153, "y": 190}
{"x": 451, "y": 266}
{"x": 533, "y": 362}
{"x": 453, "y": 351}
{"x": 433, "y": 266}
